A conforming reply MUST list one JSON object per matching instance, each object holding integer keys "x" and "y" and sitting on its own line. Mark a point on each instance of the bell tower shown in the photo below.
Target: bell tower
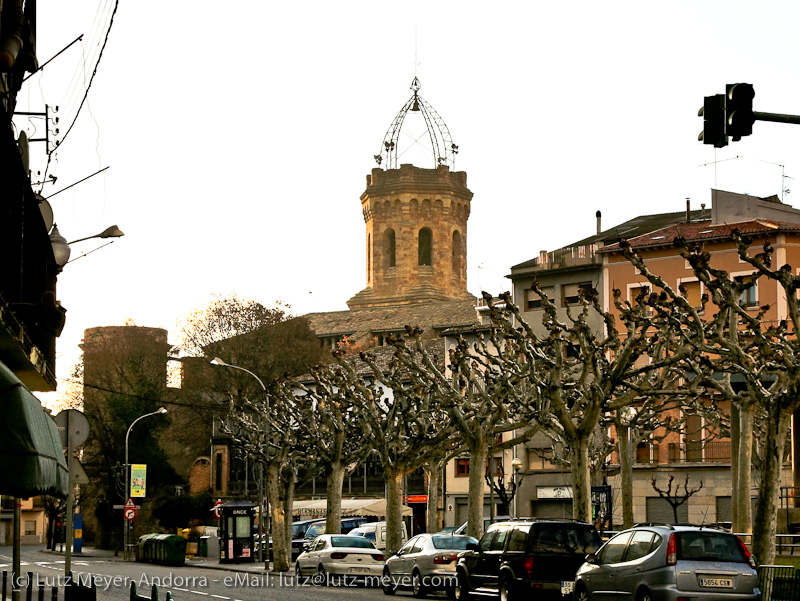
{"x": 416, "y": 219}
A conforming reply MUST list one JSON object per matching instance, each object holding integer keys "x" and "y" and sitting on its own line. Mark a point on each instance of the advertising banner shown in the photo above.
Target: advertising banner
{"x": 138, "y": 479}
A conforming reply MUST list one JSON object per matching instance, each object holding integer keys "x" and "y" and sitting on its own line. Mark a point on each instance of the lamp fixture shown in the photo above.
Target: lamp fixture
{"x": 109, "y": 232}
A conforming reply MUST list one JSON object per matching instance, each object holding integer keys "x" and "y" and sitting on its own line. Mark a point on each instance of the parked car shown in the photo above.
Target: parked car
{"x": 667, "y": 563}
{"x": 298, "y": 535}
{"x": 424, "y": 564}
{"x": 330, "y": 556}
{"x": 314, "y": 530}
{"x": 528, "y": 557}
{"x": 376, "y": 532}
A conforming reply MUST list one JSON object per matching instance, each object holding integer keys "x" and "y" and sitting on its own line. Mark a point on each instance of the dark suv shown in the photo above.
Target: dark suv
{"x": 518, "y": 558}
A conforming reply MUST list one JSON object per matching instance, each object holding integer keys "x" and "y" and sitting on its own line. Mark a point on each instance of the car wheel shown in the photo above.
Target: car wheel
{"x": 298, "y": 574}
{"x": 644, "y": 596}
{"x": 388, "y": 586}
{"x": 581, "y": 594}
{"x": 461, "y": 588}
{"x": 507, "y": 590}
{"x": 418, "y": 588}
{"x": 321, "y": 577}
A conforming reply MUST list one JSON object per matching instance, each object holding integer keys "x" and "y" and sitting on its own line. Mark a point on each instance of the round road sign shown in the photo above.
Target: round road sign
{"x": 129, "y": 513}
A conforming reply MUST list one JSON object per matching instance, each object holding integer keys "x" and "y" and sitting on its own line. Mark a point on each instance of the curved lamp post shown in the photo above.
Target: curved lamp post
{"x": 125, "y": 522}
{"x": 220, "y": 362}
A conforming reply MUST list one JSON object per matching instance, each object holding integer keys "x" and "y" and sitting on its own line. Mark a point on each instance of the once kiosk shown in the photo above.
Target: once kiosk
{"x": 236, "y": 532}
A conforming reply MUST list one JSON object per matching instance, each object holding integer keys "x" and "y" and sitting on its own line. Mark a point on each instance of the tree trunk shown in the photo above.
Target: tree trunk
{"x": 734, "y": 464}
{"x": 581, "y": 480}
{"x": 434, "y": 479}
{"x": 280, "y": 563}
{"x": 478, "y": 455}
{"x": 288, "y": 506}
{"x": 764, "y": 524}
{"x": 742, "y": 488}
{"x": 394, "y": 506}
{"x": 626, "y": 476}
{"x": 333, "y": 519}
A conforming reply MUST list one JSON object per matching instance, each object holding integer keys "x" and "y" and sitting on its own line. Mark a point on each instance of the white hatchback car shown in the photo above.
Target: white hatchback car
{"x": 335, "y": 558}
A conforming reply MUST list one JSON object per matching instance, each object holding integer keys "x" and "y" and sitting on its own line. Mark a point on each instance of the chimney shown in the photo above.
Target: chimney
{"x": 598, "y": 215}
{"x": 688, "y": 210}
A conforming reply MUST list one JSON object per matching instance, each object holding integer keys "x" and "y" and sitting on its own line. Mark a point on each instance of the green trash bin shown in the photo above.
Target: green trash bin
{"x": 202, "y": 548}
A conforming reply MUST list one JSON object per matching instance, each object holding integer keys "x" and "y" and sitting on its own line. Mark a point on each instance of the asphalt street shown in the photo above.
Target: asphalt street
{"x": 196, "y": 578}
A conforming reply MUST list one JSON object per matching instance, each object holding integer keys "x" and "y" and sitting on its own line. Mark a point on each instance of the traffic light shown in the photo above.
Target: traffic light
{"x": 739, "y": 110}
{"x": 713, "y": 114}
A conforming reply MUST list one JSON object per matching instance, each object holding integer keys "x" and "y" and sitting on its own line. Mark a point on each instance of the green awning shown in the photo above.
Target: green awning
{"x": 32, "y": 460}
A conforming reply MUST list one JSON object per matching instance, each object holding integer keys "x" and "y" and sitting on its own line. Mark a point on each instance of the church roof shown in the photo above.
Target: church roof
{"x": 360, "y": 322}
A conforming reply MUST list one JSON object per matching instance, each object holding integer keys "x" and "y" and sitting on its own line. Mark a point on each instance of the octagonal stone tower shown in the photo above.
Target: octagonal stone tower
{"x": 416, "y": 238}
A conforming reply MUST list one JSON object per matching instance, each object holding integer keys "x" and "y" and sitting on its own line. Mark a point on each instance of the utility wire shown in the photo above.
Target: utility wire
{"x": 144, "y": 398}
{"x": 94, "y": 72}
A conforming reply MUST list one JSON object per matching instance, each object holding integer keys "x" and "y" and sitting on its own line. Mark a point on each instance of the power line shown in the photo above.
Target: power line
{"x": 144, "y": 398}
{"x": 94, "y": 72}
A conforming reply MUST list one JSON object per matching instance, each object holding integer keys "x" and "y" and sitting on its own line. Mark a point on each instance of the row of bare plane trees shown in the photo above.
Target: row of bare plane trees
{"x": 592, "y": 391}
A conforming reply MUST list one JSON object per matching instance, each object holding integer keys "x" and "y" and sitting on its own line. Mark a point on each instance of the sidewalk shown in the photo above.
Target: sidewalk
{"x": 209, "y": 563}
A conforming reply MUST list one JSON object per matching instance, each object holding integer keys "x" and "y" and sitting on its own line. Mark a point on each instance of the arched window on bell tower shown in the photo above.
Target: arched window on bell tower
{"x": 425, "y": 246}
{"x": 389, "y": 248}
{"x": 456, "y": 253}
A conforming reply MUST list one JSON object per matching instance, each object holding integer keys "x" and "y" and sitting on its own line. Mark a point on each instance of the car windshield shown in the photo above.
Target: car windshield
{"x": 298, "y": 530}
{"x": 709, "y": 546}
{"x": 453, "y": 542}
{"x": 565, "y": 538}
{"x": 314, "y": 530}
{"x": 351, "y": 541}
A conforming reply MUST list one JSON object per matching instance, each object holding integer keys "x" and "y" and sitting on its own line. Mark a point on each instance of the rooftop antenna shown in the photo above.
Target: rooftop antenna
{"x": 715, "y": 161}
{"x": 784, "y": 177}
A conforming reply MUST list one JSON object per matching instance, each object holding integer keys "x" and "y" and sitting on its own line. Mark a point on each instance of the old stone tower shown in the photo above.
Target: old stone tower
{"x": 416, "y": 218}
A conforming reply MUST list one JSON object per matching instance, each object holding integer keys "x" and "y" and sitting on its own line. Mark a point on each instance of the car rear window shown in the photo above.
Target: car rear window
{"x": 564, "y": 538}
{"x": 351, "y": 541}
{"x": 453, "y": 542}
{"x": 709, "y": 546}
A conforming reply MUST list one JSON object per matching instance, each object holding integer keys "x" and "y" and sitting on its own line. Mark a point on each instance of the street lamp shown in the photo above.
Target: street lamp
{"x": 125, "y": 522}
{"x": 516, "y": 465}
{"x": 262, "y": 522}
{"x": 61, "y": 249}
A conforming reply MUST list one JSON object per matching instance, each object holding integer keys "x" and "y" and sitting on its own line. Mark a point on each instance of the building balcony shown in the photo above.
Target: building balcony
{"x": 718, "y": 451}
{"x": 569, "y": 256}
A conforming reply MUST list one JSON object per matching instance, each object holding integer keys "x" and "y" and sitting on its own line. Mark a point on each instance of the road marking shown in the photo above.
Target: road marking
{"x": 185, "y": 590}
{"x": 220, "y": 597}
{"x": 198, "y": 592}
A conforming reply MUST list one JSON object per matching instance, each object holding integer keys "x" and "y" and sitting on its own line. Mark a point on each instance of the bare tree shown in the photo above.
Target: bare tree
{"x": 332, "y": 435}
{"x": 403, "y": 422}
{"x": 762, "y": 356}
{"x": 480, "y": 401}
{"x": 581, "y": 375}
{"x": 676, "y": 498}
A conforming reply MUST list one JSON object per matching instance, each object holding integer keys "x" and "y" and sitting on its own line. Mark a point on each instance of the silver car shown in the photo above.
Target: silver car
{"x": 425, "y": 563}
{"x": 669, "y": 563}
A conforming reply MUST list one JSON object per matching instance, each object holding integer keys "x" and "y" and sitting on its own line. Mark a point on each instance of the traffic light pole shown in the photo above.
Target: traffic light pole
{"x": 777, "y": 118}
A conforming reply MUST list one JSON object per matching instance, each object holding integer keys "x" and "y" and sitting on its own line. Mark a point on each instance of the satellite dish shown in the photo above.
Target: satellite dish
{"x": 47, "y": 212}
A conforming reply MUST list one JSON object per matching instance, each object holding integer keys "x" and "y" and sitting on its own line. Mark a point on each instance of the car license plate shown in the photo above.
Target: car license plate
{"x": 716, "y": 582}
{"x": 567, "y": 587}
{"x": 359, "y": 570}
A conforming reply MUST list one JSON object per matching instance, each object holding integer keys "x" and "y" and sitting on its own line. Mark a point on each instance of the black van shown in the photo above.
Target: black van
{"x": 526, "y": 558}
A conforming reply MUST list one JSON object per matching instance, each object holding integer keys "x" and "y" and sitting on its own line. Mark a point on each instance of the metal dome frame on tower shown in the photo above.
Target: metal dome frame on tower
{"x": 444, "y": 151}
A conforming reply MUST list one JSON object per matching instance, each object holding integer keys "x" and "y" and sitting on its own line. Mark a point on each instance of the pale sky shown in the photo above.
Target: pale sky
{"x": 239, "y": 136}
